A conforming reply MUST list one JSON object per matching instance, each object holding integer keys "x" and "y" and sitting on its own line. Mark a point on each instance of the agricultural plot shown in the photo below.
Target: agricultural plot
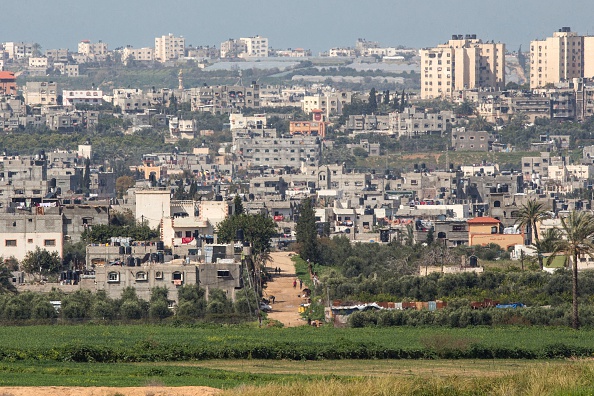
{"x": 152, "y": 343}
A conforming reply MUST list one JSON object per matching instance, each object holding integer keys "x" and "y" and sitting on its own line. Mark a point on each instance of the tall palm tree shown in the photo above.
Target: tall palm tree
{"x": 531, "y": 213}
{"x": 578, "y": 232}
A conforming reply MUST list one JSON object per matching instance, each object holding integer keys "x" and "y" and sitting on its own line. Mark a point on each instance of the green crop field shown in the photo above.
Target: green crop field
{"x": 142, "y": 343}
{"x": 405, "y": 360}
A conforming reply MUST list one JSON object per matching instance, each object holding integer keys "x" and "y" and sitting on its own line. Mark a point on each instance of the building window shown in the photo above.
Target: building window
{"x": 177, "y": 278}
{"x": 113, "y": 277}
{"x": 10, "y": 242}
{"x": 49, "y": 242}
{"x": 158, "y": 275}
{"x": 141, "y": 276}
{"x": 223, "y": 274}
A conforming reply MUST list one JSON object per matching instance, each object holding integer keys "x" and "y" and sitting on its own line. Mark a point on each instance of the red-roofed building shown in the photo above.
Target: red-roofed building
{"x": 484, "y": 221}
{"x": 7, "y": 83}
{"x": 487, "y": 230}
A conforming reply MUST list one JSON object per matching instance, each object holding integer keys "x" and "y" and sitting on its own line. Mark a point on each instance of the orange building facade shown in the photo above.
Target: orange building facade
{"x": 487, "y": 230}
{"x": 8, "y": 84}
{"x": 316, "y": 127}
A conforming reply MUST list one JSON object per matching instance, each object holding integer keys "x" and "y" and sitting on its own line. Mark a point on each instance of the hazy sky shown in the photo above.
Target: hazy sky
{"x": 314, "y": 24}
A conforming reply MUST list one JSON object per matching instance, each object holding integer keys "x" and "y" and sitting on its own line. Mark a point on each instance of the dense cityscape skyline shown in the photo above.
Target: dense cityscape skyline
{"x": 307, "y": 24}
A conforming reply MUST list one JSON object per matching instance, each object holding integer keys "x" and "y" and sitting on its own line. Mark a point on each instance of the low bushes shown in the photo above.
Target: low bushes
{"x": 445, "y": 347}
{"x": 465, "y": 317}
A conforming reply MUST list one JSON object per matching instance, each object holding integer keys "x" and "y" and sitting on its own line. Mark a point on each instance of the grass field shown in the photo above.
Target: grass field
{"x": 351, "y": 377}
{"x": 405, "y": 160}
{"x": 576, "y": 378}
{"x": 46, "y": 373}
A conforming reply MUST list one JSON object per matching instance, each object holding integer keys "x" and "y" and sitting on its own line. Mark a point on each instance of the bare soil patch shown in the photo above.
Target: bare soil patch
{"x": 287, "y": 298}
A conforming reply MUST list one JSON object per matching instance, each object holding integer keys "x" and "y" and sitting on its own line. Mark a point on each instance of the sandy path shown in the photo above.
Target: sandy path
{"x": 106, "y": 391}
{"x": 286, "y": 305}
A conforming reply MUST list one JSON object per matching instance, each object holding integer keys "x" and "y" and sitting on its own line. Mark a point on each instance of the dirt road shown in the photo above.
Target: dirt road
{"x": 286, "y": 305}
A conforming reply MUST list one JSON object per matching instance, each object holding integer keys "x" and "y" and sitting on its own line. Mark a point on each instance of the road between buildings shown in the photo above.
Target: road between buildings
{"x": 287, "y": 298}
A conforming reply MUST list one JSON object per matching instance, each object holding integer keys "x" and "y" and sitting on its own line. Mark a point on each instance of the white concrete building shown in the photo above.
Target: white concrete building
{"x": 152, "y": 206}
{"x": 21, "y": 233}
{"x": 18, "y": 50}
{"x": 39, "y": 62}
{"x": 89, "y": 97}
{"x": 239, "y": 121}
{"x": 182, "y": 129}
{"x": 146, "y": 54}
{"x": 169, "y": 48}
{"x": 256, "y": 46}
{"x": 41, "y": 93}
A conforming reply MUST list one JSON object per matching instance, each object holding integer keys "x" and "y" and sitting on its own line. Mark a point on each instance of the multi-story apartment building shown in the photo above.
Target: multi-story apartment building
{"x": 18, "y": 50}
{"x": 562, "y": 57}
{"x": 279, "y": 152}
{"x": 464, "y": 62}
{"x": 146, "y": 54}
{"x": 93, "y": 51}
{"x": 256, "y": 46}
{"x": 130, "y": 100}
{"x": 467, "y": 140}
{"x": 309, "y": 128}
{"x": 169, "y": 48}
{"x": 411, "y": 122}
{"x": 23, "y": 181}
{"x": 537, "y": 106}
{"x": 23, "y": 232}
{"x": 39, "y": 62}
{"x": 41, "y": 93}
{"x": 368, "y": 123}
{"x": 232, "y": 48}
{"x": 67, "y": 69}
{"x": 225, "y": 98}
{"x": 7, "y": 83}
{"x": 537, "y": 166}
{"x": 205, "y": 51}
{"x": 239, "y": 121}
{"x": 57, "y": 55}
{"x": 330, "y": 103}
{"x": 182, "y": 129}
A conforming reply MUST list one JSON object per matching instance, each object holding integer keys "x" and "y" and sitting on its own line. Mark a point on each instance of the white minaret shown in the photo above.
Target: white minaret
{"x": 180, "y": 78}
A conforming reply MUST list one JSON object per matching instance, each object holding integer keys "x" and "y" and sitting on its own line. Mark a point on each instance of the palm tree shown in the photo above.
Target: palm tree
{"x": 547, "y": 243}
{"x": 578, "y": 231}
{"x": 531, "y": 213}
{"x": 36, "y": 49}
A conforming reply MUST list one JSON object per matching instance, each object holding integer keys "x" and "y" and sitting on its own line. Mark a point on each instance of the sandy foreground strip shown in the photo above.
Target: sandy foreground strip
{"x": 106, "y": 391}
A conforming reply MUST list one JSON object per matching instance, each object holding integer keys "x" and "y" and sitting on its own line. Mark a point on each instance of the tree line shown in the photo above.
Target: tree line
{"x": 84, "y": 305}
